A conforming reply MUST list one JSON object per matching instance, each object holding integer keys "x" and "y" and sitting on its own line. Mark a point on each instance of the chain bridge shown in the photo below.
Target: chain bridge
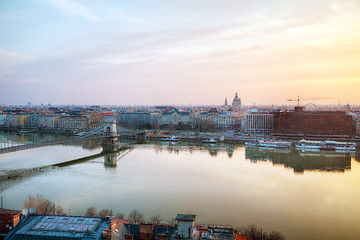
{"x": 109, "y": 132}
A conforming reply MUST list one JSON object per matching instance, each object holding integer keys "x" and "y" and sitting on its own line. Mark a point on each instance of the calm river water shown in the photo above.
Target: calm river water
{"x": 304, "y": 195}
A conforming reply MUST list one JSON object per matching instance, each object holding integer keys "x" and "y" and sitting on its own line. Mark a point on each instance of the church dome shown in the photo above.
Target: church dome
{"x": 236, "y": 99}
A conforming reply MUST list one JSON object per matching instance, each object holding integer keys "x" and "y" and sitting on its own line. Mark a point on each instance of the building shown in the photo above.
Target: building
{"x": 8, "y": 220}
{"x": 144, "y": 231}
{"x": 33, "y": 120}
{"x": 215, "y": 119}
{"x": 20, "y": 120}
{"x": 135, "y": 119}
{"x": 357, "y": 128}
{"x": 185, "y": 226}
{"x": 236, "y": 104}
{"x": 258, "y": 122}
{"x": 10, "y": 120}
{"x": 95, "y": 119}
{"x": 177, "y": 119}
{"x": 62, "y": 227}
{"x": 73, "y": 123}
{"x": 48, "y": 121}
{"x": 312, "y": 124}
{"x": 2, "y": 119}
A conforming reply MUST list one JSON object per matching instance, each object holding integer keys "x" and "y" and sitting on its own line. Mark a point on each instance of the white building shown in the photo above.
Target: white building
{"x": 186, "y": 225}
{"x": 214, "y": 119}
{"x": 177, "y": 118}
{"x": 258, "y": 122}
{"x": 48, "y": 121}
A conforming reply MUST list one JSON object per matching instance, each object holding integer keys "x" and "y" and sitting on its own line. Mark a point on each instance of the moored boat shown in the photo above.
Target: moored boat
{"x": 326, "y": 145}
{"x": 270, "y": 143}
{"x": 170, "y": 139}
{"x": 211, "y": 140}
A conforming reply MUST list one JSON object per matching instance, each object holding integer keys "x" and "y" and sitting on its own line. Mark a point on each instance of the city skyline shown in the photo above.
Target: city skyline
{"x": 178, "y": 52}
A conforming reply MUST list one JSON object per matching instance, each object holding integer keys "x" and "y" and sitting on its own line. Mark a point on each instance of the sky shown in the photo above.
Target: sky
{"x": 166, "y": 52}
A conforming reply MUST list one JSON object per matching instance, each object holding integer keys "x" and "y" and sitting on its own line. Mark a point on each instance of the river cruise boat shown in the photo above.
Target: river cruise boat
{"x": 211, "y": 140}
{"x": 326, "y": 145}
{"x": 270, "y": 144}
{"x": 170, "y": 139}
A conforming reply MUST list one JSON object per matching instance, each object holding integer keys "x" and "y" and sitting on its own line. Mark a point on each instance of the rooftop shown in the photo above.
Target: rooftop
{"x": 185, "y": 217}
{"x": 59, "y": 227}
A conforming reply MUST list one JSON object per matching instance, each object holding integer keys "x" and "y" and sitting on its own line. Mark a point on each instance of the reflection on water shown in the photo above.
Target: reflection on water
{"x": 213, "y": 149}
{"x": 300, "y": 161}
{"x": 217, "y": 182}
{"x": 111, "y": 159}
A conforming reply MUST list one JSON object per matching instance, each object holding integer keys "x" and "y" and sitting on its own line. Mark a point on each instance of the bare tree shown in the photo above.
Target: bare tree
{"x": 275, "y": 236}
{"x": 120, "y": 215}
{"x": 42, "y": 205}
{"x": 255, "y": 233}
{"x": 91, "y": 212}
{"x": 30, "y": 202}
{"x": 59, "y": 210}
{"x": 171, "y": 222}
{"x": 105, "y": 212}
{"x": 156, "y": 220}
{"x": 136, "y": 217}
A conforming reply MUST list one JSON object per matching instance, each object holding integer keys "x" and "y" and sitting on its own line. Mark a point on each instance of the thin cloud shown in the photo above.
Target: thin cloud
{"x": 72, "y": 8}
{"x": 8, "y": 54}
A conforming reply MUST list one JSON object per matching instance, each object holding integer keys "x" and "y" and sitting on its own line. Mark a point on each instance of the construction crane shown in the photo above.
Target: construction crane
{"x": 304, "y": 99}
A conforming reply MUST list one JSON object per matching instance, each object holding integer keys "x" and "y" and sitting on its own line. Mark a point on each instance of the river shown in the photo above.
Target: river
{"x": 304, "y": 195}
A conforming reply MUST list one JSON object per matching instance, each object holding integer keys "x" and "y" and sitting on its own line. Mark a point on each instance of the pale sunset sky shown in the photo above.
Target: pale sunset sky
{"x": 181, "y": 52}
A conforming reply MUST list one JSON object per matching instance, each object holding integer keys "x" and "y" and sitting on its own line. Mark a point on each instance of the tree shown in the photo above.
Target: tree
{"x": 30, "y": 202}
{"x": 105, "y": 212}
{"x": 171, "y": 222}
{"x": 275, "y": 236}
{"x": 156, "y": 220}
{"x": 252, "y": 231}
{"x": 91, "y": 212}
{"x": 42, "y": 205}
{"x": 136, "y": 217}
{"x": 59, "y": 210}
{"x": 120, "y": 215}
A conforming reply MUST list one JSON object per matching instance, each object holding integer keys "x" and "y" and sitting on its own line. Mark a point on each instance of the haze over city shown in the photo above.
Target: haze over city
{"x": 178, "y": 52}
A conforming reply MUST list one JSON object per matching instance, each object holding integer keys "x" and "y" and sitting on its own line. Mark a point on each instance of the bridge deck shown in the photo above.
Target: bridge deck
{"x": 46, "y": 143}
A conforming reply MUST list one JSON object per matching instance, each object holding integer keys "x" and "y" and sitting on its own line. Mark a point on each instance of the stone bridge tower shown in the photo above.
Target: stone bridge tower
{"x": 110, "y": 142}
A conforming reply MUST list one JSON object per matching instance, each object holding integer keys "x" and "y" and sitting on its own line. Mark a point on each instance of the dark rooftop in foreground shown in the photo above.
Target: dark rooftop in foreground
{"x": 60, "y": 227}
{"x": 185, "y": 217}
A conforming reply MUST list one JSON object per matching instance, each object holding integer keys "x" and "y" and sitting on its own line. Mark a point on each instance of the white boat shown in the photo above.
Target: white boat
{"x": 26, "y": 131}
{"x": 306, "y": 144}
{"x": 344, "y": 146}
{"x": 170, "y": 139}
{"x": 211, "y": 140}
{"x": 80, "y": 134}
{"x": 270, "y": 144}
{"x": 326, "y": 145}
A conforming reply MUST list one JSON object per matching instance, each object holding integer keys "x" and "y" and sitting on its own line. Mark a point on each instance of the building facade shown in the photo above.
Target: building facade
{"x": 20, "y": 120}
{"x": 215, "y": 119}
{"x": 177, "y": 119}
{"x": 10, "y": 120}
{"x": 313, "y": 124}
{"x": 258, "y": 122}
{"x": 2, "y": 119}
{"x": 95, "y": 120}
{"x": 134, "y": 119}
{"x": 48, "y": 121}
{"x": 73, "y": 123}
